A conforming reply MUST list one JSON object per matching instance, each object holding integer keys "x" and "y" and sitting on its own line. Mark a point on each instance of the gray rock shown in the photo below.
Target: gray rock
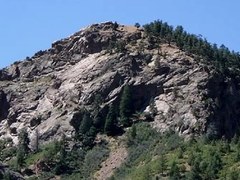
{"x": 12, "y": 174}
{"x": 48, "y": 90}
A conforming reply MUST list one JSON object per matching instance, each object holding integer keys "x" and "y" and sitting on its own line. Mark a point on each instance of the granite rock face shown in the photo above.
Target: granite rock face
{"x": 46, "y": 91}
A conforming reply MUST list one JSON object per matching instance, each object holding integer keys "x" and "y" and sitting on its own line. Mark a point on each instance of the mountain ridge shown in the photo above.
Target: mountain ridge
{"x": 109, "y": 79}
{"x": 71, "y": 61}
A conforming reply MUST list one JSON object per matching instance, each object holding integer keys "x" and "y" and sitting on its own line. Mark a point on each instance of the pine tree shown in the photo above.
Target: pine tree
{"x": 85, "y": 124}
{"x": 237, "y": 154}
{"x": 23, "y": 141}
{"x": 195, "y": 171}
{"x": 163, "y": 163}
{"x": 110, "y": 123}
{"x": 97, "y": 116}
{"x": 23, "y": 147}
{"x": 62, "y": 151}
{"x": 174, "y": 171}
{"x": 126, "y": 108}
{"x": 83, "y": 134}
{"x": 137, "y": 25}
{"x": 169, "y": 39}
{"x": 89, "y": 137}
{"x": 20, "y": 158}
{"x": 214, "y": 164}
{"x": 98, "y": 100}
{"x": 115, "y": 25}
{"x": 61, "y": 166}
{"x": 133, "y": 132}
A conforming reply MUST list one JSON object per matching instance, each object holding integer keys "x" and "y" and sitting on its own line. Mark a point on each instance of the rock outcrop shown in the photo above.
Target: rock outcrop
{"x": 6, "y": 173}
{"x": 47, "y": 91}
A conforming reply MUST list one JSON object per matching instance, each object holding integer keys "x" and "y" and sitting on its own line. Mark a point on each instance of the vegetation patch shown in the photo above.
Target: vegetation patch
{"x": 156, "y": 156}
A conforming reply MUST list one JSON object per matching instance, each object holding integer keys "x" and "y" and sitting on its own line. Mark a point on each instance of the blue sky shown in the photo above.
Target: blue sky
{"x": 28, "y": 26}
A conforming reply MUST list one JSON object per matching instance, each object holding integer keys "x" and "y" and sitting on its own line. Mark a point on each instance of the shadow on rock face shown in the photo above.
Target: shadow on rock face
{"x": 4, "y": 105}
{"x": 142, "y": 95}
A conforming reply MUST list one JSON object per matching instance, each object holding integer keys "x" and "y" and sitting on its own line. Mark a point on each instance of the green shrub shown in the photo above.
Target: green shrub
{"x": 93, "y": 160}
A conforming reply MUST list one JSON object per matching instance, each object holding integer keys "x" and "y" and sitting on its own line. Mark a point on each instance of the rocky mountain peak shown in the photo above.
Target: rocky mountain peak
{"x": 171, "y": 88}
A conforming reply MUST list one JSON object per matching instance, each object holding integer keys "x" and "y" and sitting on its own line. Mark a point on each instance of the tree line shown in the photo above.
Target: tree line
{"x": 226, "y": 61}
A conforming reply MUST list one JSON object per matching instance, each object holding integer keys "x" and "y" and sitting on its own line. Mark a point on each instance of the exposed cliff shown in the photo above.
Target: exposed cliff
{"x": 47, "y": 91}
